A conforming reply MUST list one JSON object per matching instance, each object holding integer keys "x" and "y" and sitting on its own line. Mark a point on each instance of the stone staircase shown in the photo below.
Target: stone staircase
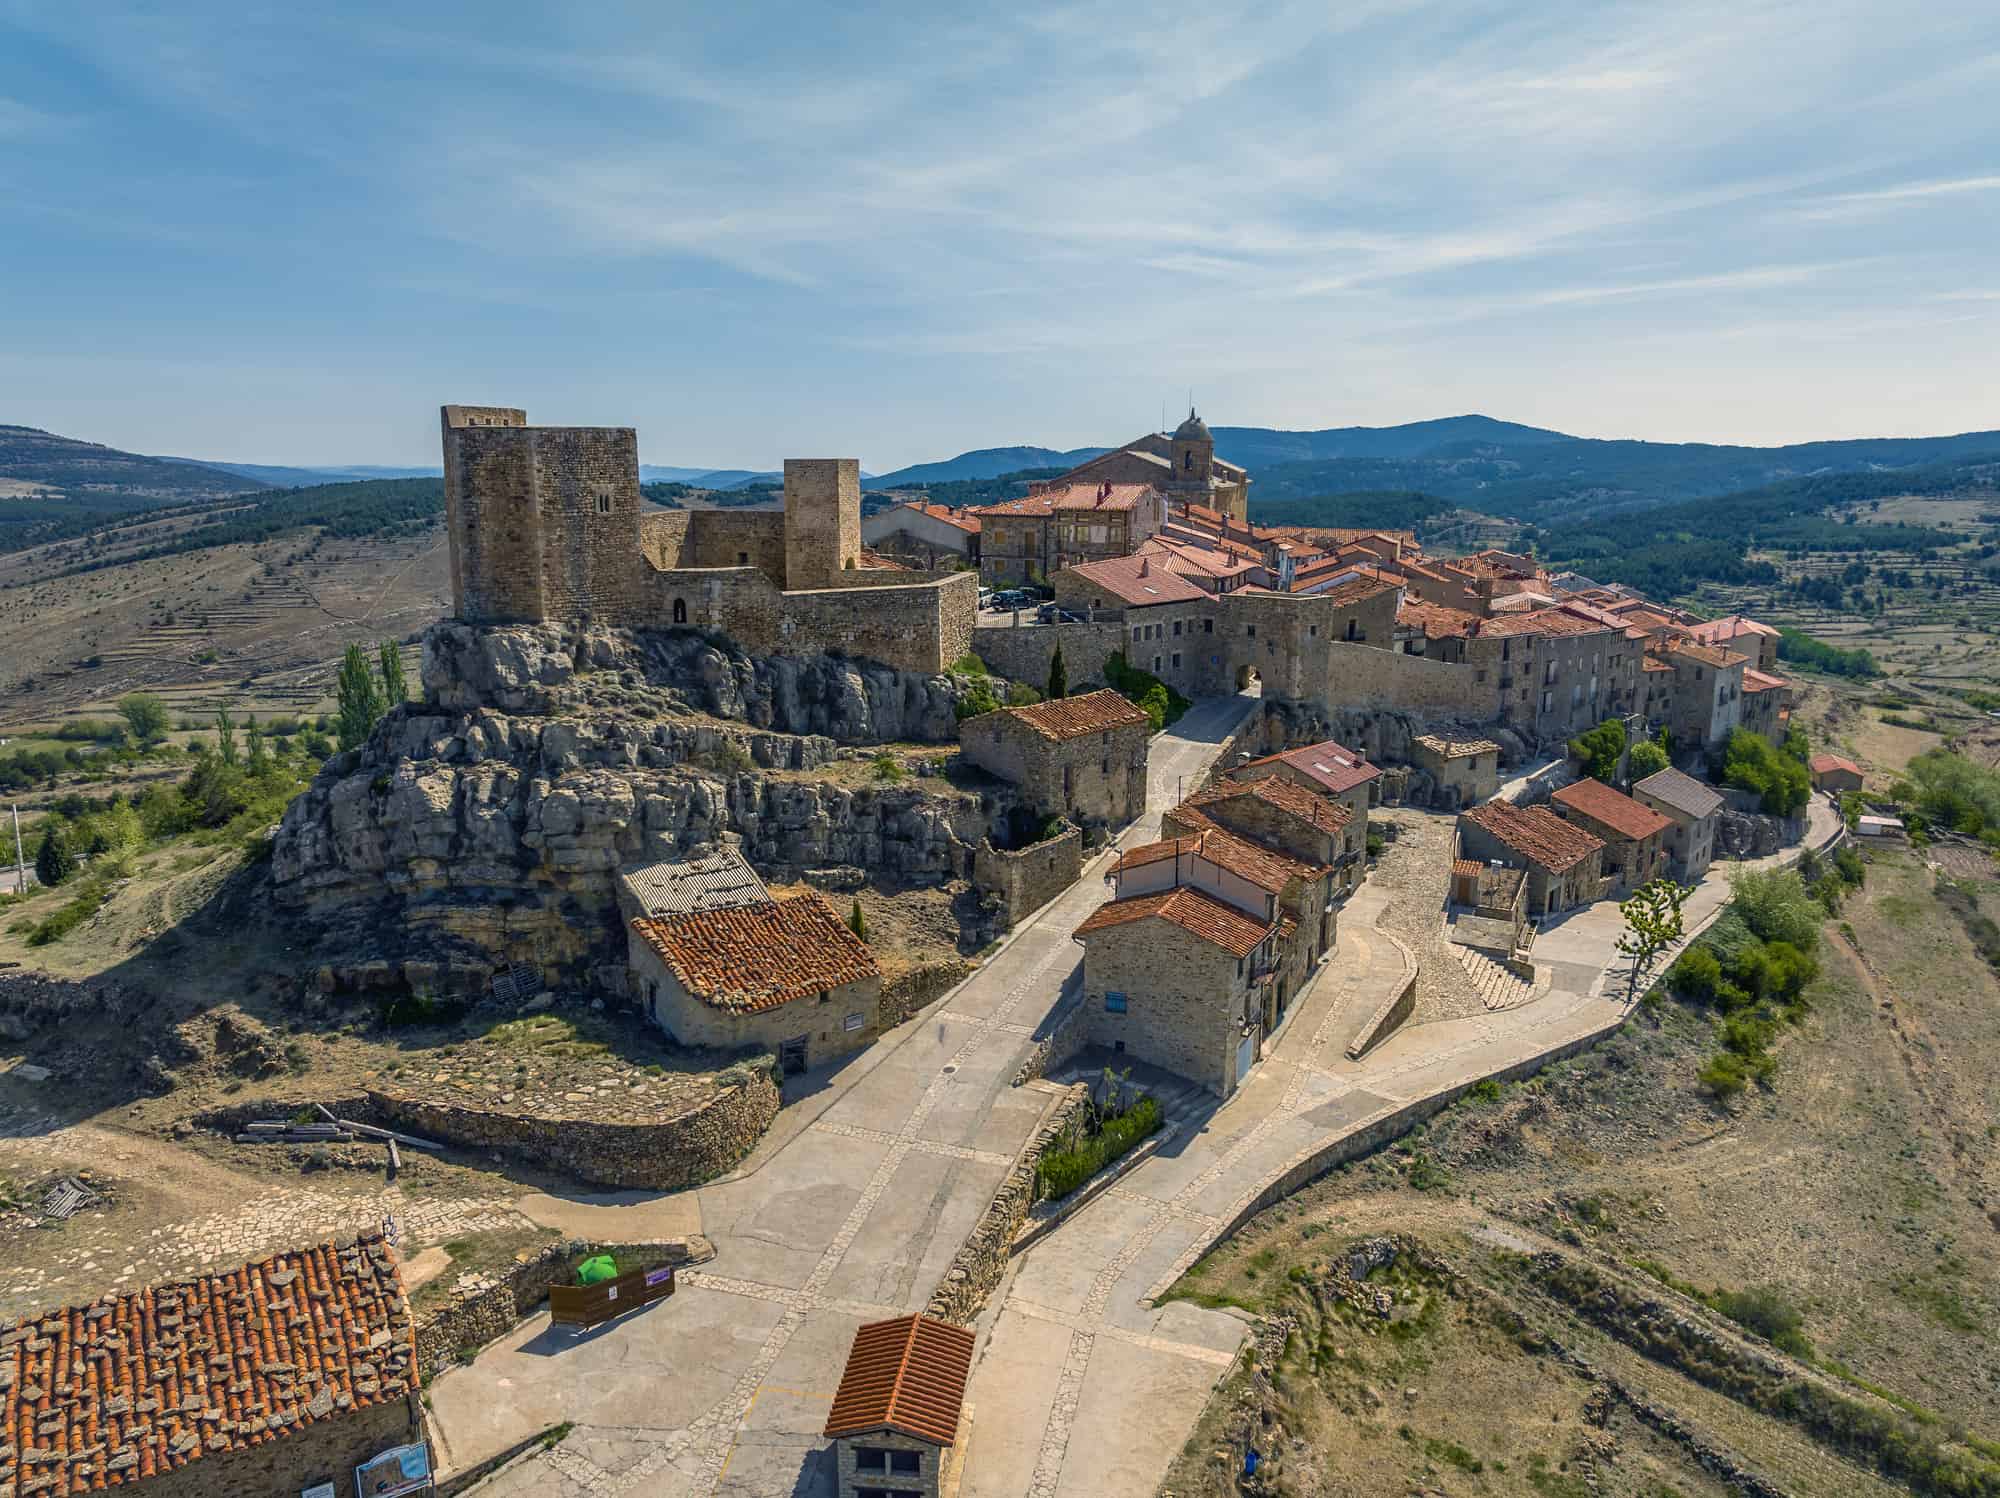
{"x": 1498, "y": 986}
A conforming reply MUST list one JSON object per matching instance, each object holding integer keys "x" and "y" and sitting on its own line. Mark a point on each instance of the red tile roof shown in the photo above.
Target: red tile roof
{"x": 1761, "y": 681}
{"x": 1266, "y": 868}
{"x": 1436, "y": 620}
{"x": 129, "y": 1387}
{"x": 1536, "y": 833}
{"x": 1708, "y": 655}
{"x": 906, "y": 1375}
{"x": 1734, "y": 627}
{"x": 1098, "y": 496}
{"x": 1819, "y": 764}
{"x": 1029, "y": 505}
{"x": 1138, "y": 580}
{"x": 1356, "y": 590}
{"x": 1614, "y": 809}
{"x": 749, "y": 958}
{"x": 1064, "y": 718}
{"x": 1194, "y": 912}
{"x": 965, "y": 520}
{"x": 1332, "y": 766}
{"x": 1284, "y": 795}
{"x": 1555, "y": 621}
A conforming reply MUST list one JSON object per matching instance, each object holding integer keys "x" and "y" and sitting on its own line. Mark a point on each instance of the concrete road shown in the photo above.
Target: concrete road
{"x": 850, "y": 1210}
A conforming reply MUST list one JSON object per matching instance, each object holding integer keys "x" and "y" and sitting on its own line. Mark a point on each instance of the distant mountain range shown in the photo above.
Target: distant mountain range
{"x": 294, "y": 478}
{"x": 986, "y": 463}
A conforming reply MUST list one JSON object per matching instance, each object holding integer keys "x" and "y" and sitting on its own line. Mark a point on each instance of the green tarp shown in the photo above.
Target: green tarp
{"x": 595, "y": 1271}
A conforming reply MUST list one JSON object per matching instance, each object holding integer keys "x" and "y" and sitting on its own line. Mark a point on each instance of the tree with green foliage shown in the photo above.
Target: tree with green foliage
{"x": 1777, "y": 906}
{"x": 394, "y": 689}
{"x": 360, "y": 699}
{"x": 1652, "y": 923}
{"x": 258, "y": 755}
{"x": 1058, "y": 676}
{"x": 1949, "y": 790}
{"x": 1646, "y": 758}
{"x": 54, "y": 862}
{"x": 856, "y": 921}
{"x": 225, "y": 736}
{"x": 1780, "y": 779}
{"x": 145, "y": 715}
{"x": 1600, "y": 749}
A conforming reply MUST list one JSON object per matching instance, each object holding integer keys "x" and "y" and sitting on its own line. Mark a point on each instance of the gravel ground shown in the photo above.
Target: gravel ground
{"x": 1415, "y": 868}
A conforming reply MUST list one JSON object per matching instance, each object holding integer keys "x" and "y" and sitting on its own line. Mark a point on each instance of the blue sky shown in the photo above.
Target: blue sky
{"x": 288, "y": 235}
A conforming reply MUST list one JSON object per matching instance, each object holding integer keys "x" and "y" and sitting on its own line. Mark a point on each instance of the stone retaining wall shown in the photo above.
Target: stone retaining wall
{"x": 908, "y": 992}
{"x": 982, "y": 1259}
{"x": 1022, "y": 652}
{"x": 1026, "y": 879}
{"x": 1393, "y": 1013}
{"x": 659, "y": 1155}
{"x": 1066, "y": 1037}
{"x": 485, "y": 1307}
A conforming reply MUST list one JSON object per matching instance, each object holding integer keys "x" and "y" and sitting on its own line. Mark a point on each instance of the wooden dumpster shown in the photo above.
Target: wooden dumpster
{"x": 587, "y": 1305}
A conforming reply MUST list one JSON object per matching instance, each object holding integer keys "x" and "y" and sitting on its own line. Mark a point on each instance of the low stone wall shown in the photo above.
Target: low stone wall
{"x": 1393, "y": 1013}
{"x": 1022, "y": 652}
{"x": 1369, "y": 677}
{"x": 982, "y": 1259}
{"x": 486, "y": 1307}
{"x": 908, "y": 992}
{"x": 657, "y": 1155}
{"x": 1026, "y": 879}
{"x": 30, "y": 1001}
{"x": 1065, "y": 1038}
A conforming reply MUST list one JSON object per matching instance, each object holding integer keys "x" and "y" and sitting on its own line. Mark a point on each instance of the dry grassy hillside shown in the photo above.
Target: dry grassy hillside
{"x": 257, "y": 624}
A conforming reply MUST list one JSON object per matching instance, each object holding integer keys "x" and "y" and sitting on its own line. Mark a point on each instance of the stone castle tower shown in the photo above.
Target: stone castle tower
{"x": 822, "y": 521}
{"x": 543, "y": 521}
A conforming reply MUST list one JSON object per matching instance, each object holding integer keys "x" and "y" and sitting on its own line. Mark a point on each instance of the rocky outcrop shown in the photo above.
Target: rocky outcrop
{"x": 486, "y": 825}
{"x": 1383, "y": 735}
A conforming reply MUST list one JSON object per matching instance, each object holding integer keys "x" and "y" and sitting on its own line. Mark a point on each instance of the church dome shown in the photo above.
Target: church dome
{"x": 1194, "y": 429}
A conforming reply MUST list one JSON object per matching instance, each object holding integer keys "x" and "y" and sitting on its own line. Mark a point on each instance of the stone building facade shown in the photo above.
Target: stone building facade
{"x": 1182, "y": 464}
{"x": 1081, "y": 757}
{"x": 1564, "y": 864}
{"x": 547, "y": 523}
{"x": 1694, "y": 809}
{"x": 923, "y": 534}
{"x": 1465, "y": 771}
{"x": 1633, "y": 834}
{"x": 1708, "y": 693}
{"x": 896, "y": 1414}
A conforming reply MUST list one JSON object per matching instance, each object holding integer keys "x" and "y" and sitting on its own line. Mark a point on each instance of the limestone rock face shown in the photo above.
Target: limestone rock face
{"x": 487, "y": 824}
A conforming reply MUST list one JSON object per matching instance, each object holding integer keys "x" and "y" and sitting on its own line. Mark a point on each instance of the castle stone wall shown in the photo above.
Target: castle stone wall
{"x": 1023, "y": 653}
{"x": 1362, "y": 676}
{"x": 822, "y": 520}
{"x": 737, "y": 538}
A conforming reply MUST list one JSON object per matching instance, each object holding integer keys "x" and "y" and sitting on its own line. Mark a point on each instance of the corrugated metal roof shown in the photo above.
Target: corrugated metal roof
{"x": 715, "y": 881}
{"x": 906, "y": 1375}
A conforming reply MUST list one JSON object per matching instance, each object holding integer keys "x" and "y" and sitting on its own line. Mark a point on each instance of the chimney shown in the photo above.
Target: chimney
{"x": 1145, "y": 566}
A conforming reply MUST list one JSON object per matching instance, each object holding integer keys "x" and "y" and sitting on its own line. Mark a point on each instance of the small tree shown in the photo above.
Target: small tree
{"x": 145, "y": 715}
{"x": 258, "y": 758}
{"x": 360, "y": 700}
{"x": 225, "y": 736}
{"x": 1058, "y": 676}
{"x": 54, "y": 862}
{"x": 1599, "y": 750}
{"x": 856, "y": 921}
{"x": 1652, "y": 923}
{"x": 391, "y": 660}
{"x": 1646, "y": 758}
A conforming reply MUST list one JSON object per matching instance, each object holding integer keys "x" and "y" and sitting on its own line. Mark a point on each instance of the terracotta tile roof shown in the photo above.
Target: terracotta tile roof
{"x": 128, "y": 1387}
{"x": 1682, "y": 792}
{"x": 1436, "y": 620}
{"x": 1194, "y": 912}
{"x": 1356, "y": 590}
{"x": 1266, "y": 868}
{"x": 1819, "y": 764}
{"x": 1735, "y": 627}
{"x": 874, "y": 561}
{"x": 1031, "y": 506}
{"x": 1614, "y": 809}
{"x": 1285, "y": 795}
{"x": 1335, "y": 535}
{"x": 1467, "y": 868}
{"x": 906, "y": 1375}
{"x": 1536, "y": 833}
{"x": 1654, "y": 663}
{"x": 1138, "y": 580}
{"x": 1708, "y": 655}
{"x": 965, "y": 520}
{"x": 1555, "y": 621}
{"x": 1761, "y": 681}
{"x": 1098, "y": 496}
{"x": 1189, "y": 559}
{"x": 1332, "y": 766}
{"x": 1075, "y": 717}
{"x": 749, "y": 958}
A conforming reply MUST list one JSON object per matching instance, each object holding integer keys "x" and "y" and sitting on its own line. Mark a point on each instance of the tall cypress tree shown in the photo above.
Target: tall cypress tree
{"x": 360, "y": 699}
{"x": 53, "y": 860}
{"x": 1058, "y": 675}
{"x": 391, "y": 660}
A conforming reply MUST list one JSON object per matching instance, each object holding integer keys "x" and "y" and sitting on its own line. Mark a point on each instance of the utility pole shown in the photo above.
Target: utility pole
{"x": 20, "y": 863}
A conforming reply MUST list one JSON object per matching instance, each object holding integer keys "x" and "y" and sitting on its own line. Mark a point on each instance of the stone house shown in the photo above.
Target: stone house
{"x": 1708, "y": 693}
{"x": 1764, "y": 701}
{"x": 1634, "y": 835}
{"x": 1081, "y": 757}
{"x": 1016, "y": 540}
{"x": 785, "y": 976}
{"x": 1467, "y": 771}
{"x": 923, "y": 534}
{"x": 713, "y": 878}
{"x": 1299, "y": 821}
{"x": 1694, "y": 809}
{"x": 277, "y": 1376}
{"x": 1835, "y": 773}
{"x": 1759, "y": 642}
{"x": 1169, "y": 619}
{"x": 1564, "y": 863}
{"x": 1057, "y": 525}
{"x": 1175, "y": 979}
{"x": 1328, "y": 767}
{"x": 896, "y": 1413}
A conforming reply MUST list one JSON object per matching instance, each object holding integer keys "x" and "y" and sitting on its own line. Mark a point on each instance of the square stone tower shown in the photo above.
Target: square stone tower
{"x": 543, "y": 521}
{"x": 822, "y": 520}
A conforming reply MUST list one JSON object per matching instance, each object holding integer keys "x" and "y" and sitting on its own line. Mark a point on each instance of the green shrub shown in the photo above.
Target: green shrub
{"x": 1695, "y": 974}
{"x": 1061, "y": 1171}
{"x": 1724, "y": 1075}
{"x": 886, "y": 767}
{"x": 1600, "y": 749}
{"x": 1161, "y": 703}
{"x": 977, "y": 701}
{"x": 1646, "y": 758}
{"x": 968, "y": 665}
{"x": 1020, "y": 694}
{"x": 1765, "y": 1311}
{"x": 1782, "y": 781}
{"x": 1776, "y": 906}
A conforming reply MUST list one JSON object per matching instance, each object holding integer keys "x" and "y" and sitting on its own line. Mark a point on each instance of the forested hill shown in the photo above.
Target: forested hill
{"x": 65, "y": 467}
{"x": 1666, "y": 549}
